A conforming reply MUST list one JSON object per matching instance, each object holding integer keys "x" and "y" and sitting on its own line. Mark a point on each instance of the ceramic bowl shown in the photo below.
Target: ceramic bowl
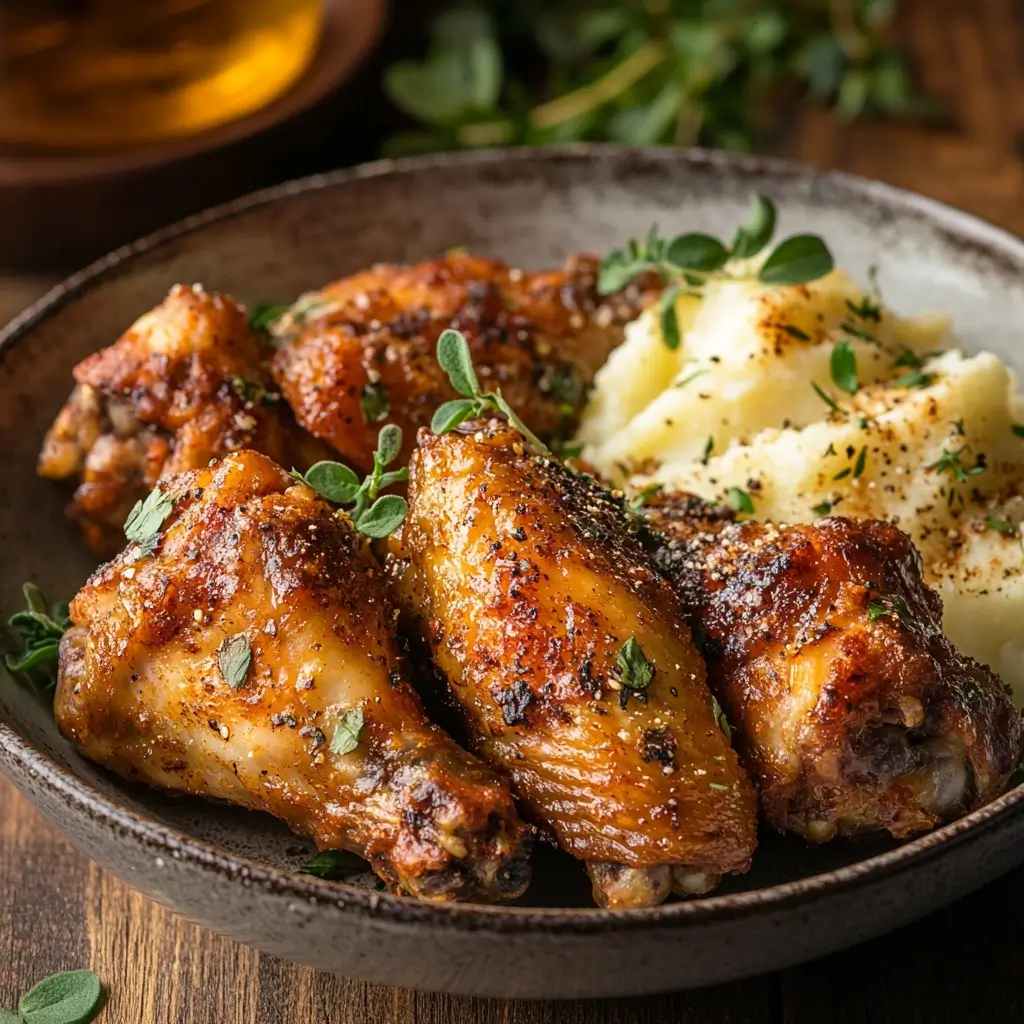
{"x": 234, "y": 870}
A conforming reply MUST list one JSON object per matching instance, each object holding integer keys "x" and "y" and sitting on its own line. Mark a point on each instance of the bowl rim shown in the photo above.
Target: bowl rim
{"x": 30, "y": 762}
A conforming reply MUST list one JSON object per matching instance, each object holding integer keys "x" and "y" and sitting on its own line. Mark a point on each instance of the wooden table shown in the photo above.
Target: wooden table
{"x": 58, "y": 911}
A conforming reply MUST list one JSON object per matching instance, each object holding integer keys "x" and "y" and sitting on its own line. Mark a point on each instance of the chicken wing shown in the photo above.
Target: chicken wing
{"x": 253, "y": 658}
{"x": 362, "y": 349}
{"x": 852, "y": 710}
{"x": 571, "y": 664}
{"x": 184, "y": 384}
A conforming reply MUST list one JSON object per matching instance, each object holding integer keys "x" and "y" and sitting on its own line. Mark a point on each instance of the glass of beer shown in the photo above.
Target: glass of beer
{"x": 109, "y": 74}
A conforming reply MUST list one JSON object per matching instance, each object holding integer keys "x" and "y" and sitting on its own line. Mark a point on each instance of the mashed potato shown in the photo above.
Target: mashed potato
{"x": 926, "y": 442}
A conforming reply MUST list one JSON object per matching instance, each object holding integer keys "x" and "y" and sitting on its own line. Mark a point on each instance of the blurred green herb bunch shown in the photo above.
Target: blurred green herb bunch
{"x": 722, "y": 73}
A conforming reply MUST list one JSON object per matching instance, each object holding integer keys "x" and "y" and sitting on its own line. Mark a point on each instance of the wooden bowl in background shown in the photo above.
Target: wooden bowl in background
{"x": 58, "y": 212}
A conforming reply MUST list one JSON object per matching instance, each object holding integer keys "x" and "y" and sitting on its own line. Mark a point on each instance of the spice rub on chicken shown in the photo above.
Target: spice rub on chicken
{"x": 186, "y": 383}
{"x": 851, "y": 708}
{"x": 571, "y": 664}
{"x": 252, "y": 658}
{"x": 362, "y": 349}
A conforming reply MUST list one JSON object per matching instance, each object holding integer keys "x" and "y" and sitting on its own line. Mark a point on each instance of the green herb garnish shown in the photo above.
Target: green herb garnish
{"x": 641, "y": 498}
{"x": 668, "y": 317}
{"x": 917, "y": 379}
{"x": 822, "y": 509}
{"x": 265, "y": 314}
{"x": 843, "y": 364}
{"x": 723, "y": 722}
{"x": 691, "y": 377}
{"x": 253, "y": 392}
{"x": 371, "y": 515}
{"x": 858, "y": 466}
{"x": 454, "y": 358}
{"x": 1000, "y": 526}
{"x": 146, "y": 519}
{"x": 895, "y": 605}
{"x": 233, "y": 657}
{"x": 635, "y": 671}
{"x": 71, "y": 997}
{"x": 334, "y": 865}
{"x": 1018, "y": 429}
{"x": 908, "y": 357}
{"x": 718, "y": 785}
{"x": 374, "y": 402}
{"x": 739, "y": 500}
{"x": 825, "y": 396}
{"x": 39, "y": 629}
{"x": 868, "y": 309}
{"x": 795, "y": 332}
{"x": 346, "y": 731}
{"x": 709, "y": 446}
{"x": 950, "y": 462}
{"x": 687, "y": 261}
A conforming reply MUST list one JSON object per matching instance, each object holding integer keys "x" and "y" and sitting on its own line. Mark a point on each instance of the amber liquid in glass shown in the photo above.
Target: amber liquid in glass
{"x": 102, "y": 74}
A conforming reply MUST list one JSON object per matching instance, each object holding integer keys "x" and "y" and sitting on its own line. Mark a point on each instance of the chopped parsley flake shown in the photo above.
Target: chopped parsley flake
{"x": 635, "y": 671}
{"x": 1000, "y": 526}
{"x": 825, "y": 396}
{"x": 739, "y": 499}
{"x": 917, "y": 379}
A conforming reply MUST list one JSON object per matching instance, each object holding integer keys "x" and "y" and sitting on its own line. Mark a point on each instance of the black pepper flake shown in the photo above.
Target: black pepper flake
{"x": 659, "y": 744}
{"x": 280, "y": 718}
{"x": 513, "y": 702}
{"x": 519, "y": 533}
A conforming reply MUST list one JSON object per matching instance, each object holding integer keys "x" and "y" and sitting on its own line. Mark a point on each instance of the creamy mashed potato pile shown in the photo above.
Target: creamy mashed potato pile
{"x": 927, "y": 441}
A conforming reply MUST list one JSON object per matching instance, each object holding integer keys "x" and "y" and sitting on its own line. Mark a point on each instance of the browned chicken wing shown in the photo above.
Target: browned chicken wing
{"x": 852, "y": 710}
{"x": 571, "y": 664}
{"x": 362, "y": 349}
{"x": 184, "y": 384}
{"x": 253, "y": 658}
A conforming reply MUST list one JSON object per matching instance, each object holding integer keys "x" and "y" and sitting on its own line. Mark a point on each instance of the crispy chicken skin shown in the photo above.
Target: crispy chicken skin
{"x": 247, "y": 551}
{"x": 852, "y": 710}
{"x": 526, "y": 581}
{"x": 184, "y": 384}
{"x": 541, "y": 337}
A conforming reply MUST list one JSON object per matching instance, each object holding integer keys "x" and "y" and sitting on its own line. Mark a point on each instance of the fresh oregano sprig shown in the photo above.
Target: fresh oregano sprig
{"x": 686, "y": 262}
{"x": 70, "y": 997}
{"x": 454, "y": 358}
{"x": 371, "y": 515}
{"x": 39, "y": 629}
{"x": 720, "y": 73}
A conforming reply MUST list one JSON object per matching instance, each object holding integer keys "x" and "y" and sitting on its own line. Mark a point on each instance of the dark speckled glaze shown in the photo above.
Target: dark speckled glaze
{"x": 233, "y": 870}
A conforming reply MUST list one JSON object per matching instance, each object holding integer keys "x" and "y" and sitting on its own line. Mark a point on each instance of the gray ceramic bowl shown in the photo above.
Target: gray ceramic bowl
{"x": 233, "y": 870}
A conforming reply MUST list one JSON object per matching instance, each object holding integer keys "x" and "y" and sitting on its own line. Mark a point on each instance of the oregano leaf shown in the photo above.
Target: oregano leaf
{"x": 752, "y": 236}
{"x": 389, "y": 444}
{"x": 346, "y": 732}
{"x": 697, "y": 252}
{"x": 454, "y": 358}
{"x": 797, "y": 260}
{"x": 383, "y": 517}
{"x": 333, "y": 481}
{"x": 233, "y": 657}
{"x": 71, "y": 997}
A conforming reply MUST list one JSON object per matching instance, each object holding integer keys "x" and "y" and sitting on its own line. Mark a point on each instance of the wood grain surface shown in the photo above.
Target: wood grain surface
{"x": 58, "y": 911}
